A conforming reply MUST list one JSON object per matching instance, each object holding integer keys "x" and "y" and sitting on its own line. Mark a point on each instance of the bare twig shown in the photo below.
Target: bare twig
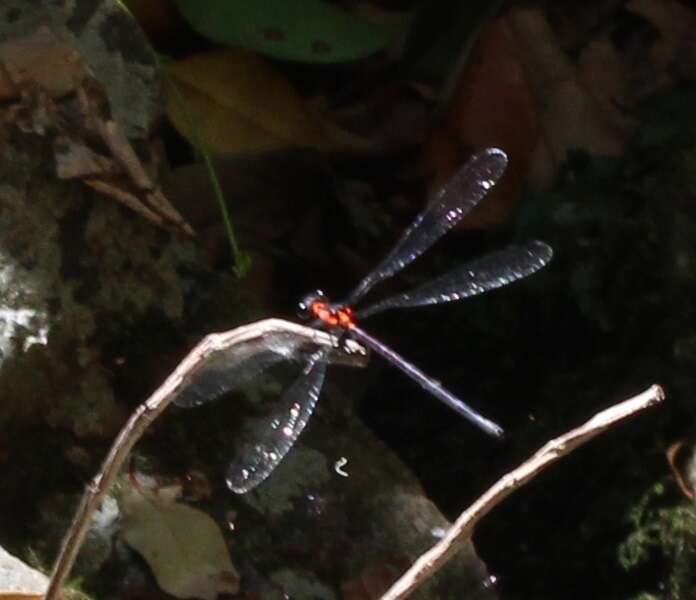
{"x": 145, "y": 414}
{"x": 431, "y": 561}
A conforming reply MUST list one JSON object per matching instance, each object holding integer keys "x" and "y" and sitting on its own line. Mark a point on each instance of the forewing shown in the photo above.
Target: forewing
{"x": 446, "y": 208}
{"x": 487, "y": 273}
{"x": 274, "y": 435}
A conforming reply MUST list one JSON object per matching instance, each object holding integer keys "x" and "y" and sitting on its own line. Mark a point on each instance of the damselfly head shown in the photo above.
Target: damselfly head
{"x": 305, "y": 306}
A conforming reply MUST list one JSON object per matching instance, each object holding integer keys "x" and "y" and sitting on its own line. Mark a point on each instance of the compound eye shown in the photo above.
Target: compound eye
{"x": 304, "y": 306}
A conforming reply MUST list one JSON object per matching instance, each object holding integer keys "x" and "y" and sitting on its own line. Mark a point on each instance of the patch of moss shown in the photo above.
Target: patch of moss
{"x": 665, "y": 533}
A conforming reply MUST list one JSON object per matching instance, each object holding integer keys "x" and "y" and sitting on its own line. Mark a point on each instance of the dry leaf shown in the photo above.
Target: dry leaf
{"x": 233, "y": 101}
{"x": 521, "y": 92}
{"x": 677, "y": 455}
{"x": 19, "y": 581}
{"x": 606, "y": 75}
{"x": 572, "y": 118}
{"x": 121, "y": 176}
{"x": 75, "y": 160}
{"x": 675, "y": 22}
{"x": 182, "y": 545}
{"x": 39, "y": 59}
{"x": 492, "y": 104}
{"x": 374, "y": 580}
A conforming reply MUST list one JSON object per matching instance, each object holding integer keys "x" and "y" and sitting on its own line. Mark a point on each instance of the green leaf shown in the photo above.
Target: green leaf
{"x": 300, "y": 30}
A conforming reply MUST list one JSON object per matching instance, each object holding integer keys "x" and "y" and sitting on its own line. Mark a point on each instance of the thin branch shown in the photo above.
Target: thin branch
{"x": 431, "y": 561}
{"x": 145, "y": 414}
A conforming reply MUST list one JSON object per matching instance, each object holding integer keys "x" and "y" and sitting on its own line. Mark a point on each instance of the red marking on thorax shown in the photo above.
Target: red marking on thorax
{"x": 343, "y": 317}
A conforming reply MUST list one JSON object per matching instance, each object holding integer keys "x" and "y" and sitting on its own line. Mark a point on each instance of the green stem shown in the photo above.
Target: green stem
{"x": 242, "y": 260}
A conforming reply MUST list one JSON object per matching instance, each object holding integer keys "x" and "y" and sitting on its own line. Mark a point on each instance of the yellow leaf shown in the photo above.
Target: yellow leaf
{"x": 182, "y": 545}
{"x": 233, "y": 101}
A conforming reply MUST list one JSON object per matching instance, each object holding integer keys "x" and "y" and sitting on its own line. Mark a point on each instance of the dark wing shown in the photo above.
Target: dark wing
{"x": 222, "y": 373}
{"x": 274, "y": 435}
{"x": 487, "y": 273}
{"x": 446, "y": 208}
{"x": 228, "y": 369}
